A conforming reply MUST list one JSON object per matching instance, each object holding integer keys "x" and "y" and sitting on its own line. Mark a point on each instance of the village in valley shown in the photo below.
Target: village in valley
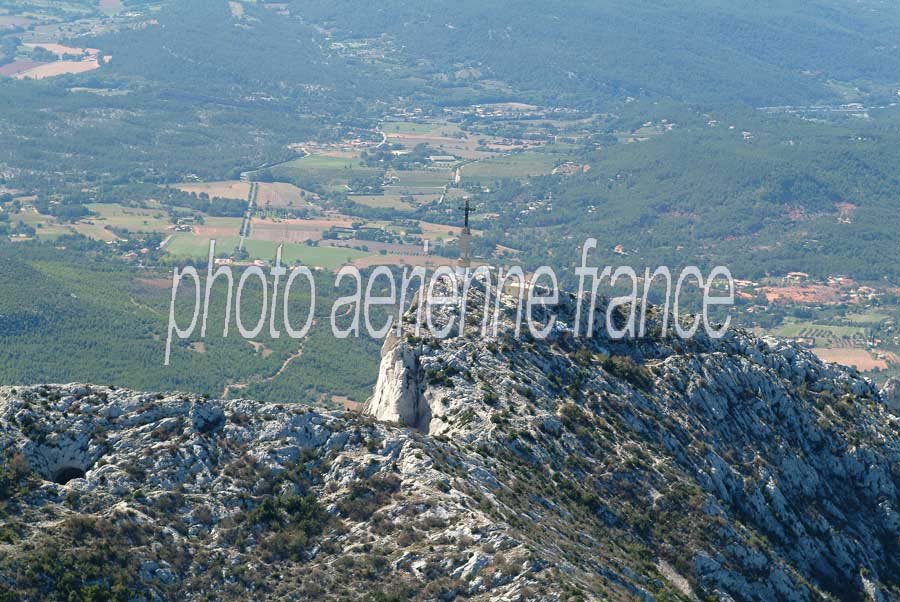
{"x": 839, "y": 319}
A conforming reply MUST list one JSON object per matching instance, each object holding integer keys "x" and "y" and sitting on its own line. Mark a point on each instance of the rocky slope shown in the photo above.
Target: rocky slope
{"x": 496, "y": 468}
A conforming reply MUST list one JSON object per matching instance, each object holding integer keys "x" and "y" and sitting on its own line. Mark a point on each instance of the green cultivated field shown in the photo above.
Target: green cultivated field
{"x": 325, "y": 170}
{"x": 329, "y": 258}
{"x": 224, "y": 223}
{"x": 386, "y": 201}
{"x": 422, "y": 178}
{"x": 402, "y": 127}
{"x": 510, "y": 166}
{"x": 821, "y": 333}
{"x": 185, "y": 244}
{"x": 871, "y": 317}
{"x": 145, "y": 220}
{"x": 46, "y": 226}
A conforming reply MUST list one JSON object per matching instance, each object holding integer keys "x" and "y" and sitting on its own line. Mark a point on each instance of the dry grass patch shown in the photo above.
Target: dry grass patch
{"x": 425, "y": 261}
{"x": 94, "y": 231}
{"x": 20, "y": 66}
{"x": 61, "y": 50}
{"x": 60, "y": 68}
{"x": 384, "y": 201}
{"x": 860, "y": 358}
{"x": 228, "y": 189}
{"x": 282, "y": 195}
{"x": 802, "y": 294}
{"x": 293, "y": 230}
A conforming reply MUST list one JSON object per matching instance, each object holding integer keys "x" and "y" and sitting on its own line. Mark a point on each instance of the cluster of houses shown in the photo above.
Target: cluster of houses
{"x": 510, "y": 110}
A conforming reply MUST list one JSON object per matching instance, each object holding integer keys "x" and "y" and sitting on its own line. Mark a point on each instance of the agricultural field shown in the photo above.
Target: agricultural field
{"x": 510, "y": 166}
{"x": 93, "y": 230}
{"x": 280, "y": 195}
{"x": 294, "y": 230}
{"x": 98, "y": 226}
{"x": 423, "y": 185}
{"x": 449, "y": 138}
{"x": 824, "y": 335}
{"x": 61, "y": 50}
{"x": 57, "y": 68}
{"x": 327, "y": 171}
{"x": 869, "y": 317}
{"x": 88, "y": 59}
{"x": 213, "y": 227}
{"x": 229, "y": 189}
{"x": 419, "y": 194}
{"x": 45, "y": 226}
{"x": 406, "y": 127}
{"x": 441, "y": 231}
{"x": 404, "y": 259}
{"x": 419, "y": 178}
{"x": 327, "y": 258}
{"x": 224, "y": 230}
{"x": 19, "y": 66}
{"x": 389, "y": 200}
{"x": 807, "y": 294}
{"x": 861, "y": 359}
{"x": 841, "y": 322}
{"x": 129, "y": 218}
{"x": 188, "y": 245}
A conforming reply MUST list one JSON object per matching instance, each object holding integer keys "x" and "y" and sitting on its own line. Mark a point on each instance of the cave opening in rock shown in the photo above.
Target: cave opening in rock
{"x": 67, "y": 473}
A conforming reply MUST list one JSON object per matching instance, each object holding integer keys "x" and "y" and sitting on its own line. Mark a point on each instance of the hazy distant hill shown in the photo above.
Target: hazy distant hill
{"x": 709, "y": 52}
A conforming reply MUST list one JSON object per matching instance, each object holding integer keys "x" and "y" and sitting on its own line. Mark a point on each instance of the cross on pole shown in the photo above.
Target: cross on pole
{"x": 466, "y": 209}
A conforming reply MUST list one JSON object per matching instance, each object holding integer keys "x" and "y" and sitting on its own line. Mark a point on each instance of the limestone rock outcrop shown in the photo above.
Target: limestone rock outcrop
{"x": 483, "y": 468}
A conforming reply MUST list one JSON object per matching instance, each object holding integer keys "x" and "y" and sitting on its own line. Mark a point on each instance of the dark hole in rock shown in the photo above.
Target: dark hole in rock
{"x": 67, "y": 473}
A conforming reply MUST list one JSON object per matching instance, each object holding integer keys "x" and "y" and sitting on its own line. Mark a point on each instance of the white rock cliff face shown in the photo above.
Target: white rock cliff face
{"x": 496, "y": 468}
{"x": 399, "y": 391}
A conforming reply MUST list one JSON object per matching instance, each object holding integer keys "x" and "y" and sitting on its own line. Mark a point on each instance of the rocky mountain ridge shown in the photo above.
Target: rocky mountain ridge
{"x": 495, "y": 468}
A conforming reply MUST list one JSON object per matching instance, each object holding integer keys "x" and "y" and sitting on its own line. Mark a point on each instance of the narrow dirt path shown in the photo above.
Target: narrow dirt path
{"x": 243, "y": 385}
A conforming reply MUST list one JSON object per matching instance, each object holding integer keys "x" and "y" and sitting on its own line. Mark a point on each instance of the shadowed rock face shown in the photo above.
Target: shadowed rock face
{"x": 496, "y": 468}
{"x": 67, "y": 473}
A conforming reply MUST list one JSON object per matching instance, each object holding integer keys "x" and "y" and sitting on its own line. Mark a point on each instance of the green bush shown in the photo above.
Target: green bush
{"x": 15, "y": 474}
{"x": 628, "y": 370}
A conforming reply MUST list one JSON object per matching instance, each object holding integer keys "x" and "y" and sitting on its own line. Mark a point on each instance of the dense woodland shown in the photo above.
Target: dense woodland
{"x": 69, "y": 313}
